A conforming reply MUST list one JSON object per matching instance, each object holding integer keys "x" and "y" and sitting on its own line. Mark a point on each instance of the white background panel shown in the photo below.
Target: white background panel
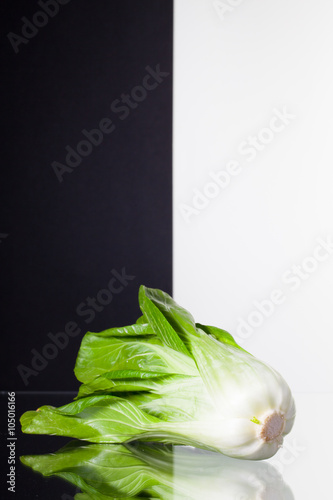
{"x": 266, "y": 230}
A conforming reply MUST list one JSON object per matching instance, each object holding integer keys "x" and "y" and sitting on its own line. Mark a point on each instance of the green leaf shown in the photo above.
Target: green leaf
{"x": 142, "y": 319}
{"x": 219, "y": 334}
{"x": 141, "y": 328}
{"x": 177, "y": 400}
{"x": 158, "y": 320}
{"x": 100, "y": 355}
{"x": 109, "y": 419}
{"x": 131, "y": 381}
{"x": 179, "y": 318}
{"x": 99, "y": 419}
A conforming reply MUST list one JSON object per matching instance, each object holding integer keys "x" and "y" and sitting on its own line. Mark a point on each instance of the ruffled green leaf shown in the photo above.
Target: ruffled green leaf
{"x": 99, "y": 419}
{"x": 177, "y": 400}
{"x": 179, "y": 318}
{"x": 219, "y": 334}
{"x": 131, "y": 381}
{"x": 159, "y": 321}
{"x": 139, "y": 328}
{"x": 100, "y": 355}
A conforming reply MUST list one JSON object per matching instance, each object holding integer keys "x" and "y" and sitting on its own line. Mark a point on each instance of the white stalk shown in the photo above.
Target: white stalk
{"x": 251, "y": 406}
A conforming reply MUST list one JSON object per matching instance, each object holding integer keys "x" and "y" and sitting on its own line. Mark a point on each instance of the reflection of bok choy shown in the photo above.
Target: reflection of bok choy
{"x": 169, "y": 379}
{"x": 104, "y": 471}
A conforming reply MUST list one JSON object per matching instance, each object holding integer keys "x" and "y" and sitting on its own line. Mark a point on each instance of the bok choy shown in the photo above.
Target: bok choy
{"x": 169, "y": 379}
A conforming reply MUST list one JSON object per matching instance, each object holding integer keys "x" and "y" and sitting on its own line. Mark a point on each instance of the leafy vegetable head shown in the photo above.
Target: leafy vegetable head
{"x": 169, "y": 379}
